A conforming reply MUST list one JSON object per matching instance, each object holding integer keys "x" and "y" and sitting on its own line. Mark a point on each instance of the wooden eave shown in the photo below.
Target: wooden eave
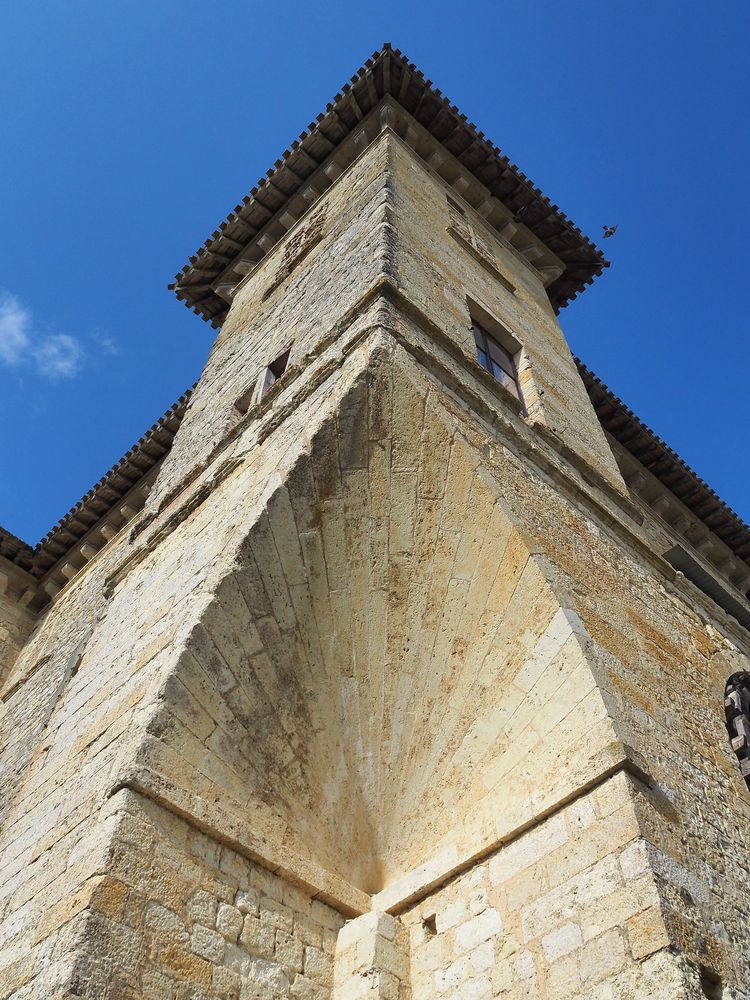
{"x": 387, "y": 72}
{"x": 99, "y": 502}
{"x": 666, "y": 465}
{"x": 15, "y": 550}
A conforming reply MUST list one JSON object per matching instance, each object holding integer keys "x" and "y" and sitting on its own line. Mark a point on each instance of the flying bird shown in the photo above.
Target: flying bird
{"x": 609, "y": 231}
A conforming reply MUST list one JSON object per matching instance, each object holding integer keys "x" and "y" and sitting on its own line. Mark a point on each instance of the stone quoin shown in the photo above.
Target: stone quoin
{"x": 398, "y": 659}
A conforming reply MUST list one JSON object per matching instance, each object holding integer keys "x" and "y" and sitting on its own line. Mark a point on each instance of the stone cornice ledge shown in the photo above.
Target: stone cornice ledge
{"x": 211, "y": 819}
{"x": 334, "y": 890}
{"x": 271, "y": 411}
{"x": 615, "y": 759}
{"x": 16, "y": 583}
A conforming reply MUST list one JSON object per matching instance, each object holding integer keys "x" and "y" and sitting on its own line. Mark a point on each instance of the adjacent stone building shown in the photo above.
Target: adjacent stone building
{"x": 399, "y": 659}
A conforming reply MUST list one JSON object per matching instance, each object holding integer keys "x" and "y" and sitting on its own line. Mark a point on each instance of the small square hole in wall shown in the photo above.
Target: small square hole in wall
{"x": 454, "y": 205}
{"x": 429, "y": 924}
{"x": 274, "y": 371}
{"x": 711, "y": 985}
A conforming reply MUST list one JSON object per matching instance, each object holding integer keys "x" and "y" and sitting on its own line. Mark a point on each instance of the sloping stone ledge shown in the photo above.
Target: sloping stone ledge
{"x": 617, "y": 758}
{"x": 330, "y": 888}
{"x": 211, "y": 819}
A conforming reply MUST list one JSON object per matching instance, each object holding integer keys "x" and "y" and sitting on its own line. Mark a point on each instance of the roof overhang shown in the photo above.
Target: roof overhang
{"x": 83, "y": 530}
{"x": 651, "y": 452}
{"x": 428, "y": 120}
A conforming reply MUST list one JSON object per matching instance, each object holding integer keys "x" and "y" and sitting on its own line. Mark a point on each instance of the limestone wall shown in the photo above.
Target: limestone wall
{"x": 372, "y": 960}
{"x": 67, "y": 708}
{"x": 37, "y": 690}
{"x": 569, "y": 909}
{"x": 278, "y": 305}
{"x": 390, "y": 658}
{"x": 661, "y": 662}
{"x": 439, "y": 273}
{"x": 180, "y": 915}
{"x": 87, "y": 716}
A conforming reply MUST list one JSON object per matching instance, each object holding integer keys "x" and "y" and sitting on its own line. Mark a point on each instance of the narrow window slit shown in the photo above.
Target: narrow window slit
{"x": 711, "y": 984}
{"x": 245, "y": 400}
{"x": 737, "y": 712}
{"x": 274, "y": 371}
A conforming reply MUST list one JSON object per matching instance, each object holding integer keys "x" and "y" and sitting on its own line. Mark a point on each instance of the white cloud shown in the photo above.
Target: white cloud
{"x": 107, "y": 344}
{"x": 58, "y": 356}
{"x": 54, "y": 356}
{"x": 15, "y": 329}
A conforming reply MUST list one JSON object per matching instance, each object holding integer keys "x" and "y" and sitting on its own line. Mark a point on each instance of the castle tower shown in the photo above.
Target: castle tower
{"x": 396, "y": 660}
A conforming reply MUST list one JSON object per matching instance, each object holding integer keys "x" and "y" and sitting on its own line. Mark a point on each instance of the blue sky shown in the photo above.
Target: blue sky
{"x": 130, "y": 129}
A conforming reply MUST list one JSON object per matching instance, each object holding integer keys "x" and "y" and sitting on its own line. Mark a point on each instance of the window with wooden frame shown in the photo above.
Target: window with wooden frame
{"x": 257, "y": 389}
{"x": 495, "y": 359}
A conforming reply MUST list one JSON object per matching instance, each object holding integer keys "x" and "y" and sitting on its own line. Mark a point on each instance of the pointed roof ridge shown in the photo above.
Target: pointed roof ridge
{"x": 407, "y": 84}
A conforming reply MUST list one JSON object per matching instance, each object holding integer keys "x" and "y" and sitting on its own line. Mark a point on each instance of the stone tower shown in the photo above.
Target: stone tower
{"x": 392, "y": 661}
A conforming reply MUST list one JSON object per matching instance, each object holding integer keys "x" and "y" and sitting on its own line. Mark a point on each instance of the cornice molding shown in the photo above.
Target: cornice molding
{"x": 312, "y": 164}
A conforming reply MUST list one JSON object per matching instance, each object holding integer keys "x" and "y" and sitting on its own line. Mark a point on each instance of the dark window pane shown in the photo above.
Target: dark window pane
{"x": 274, "y": 371}
{"x": 278, "y": 367}
{"x": 501, "y": 356}
{"x": 493, "y": 357}
{"x": 510, "y": 383}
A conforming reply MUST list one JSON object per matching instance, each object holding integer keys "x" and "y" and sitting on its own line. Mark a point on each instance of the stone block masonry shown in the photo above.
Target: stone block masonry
{"x": 558, "y": 912}
{"x": 387, "y": 691}
{"x": 372, "y": 959}
{"x": 179, "y": 915}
